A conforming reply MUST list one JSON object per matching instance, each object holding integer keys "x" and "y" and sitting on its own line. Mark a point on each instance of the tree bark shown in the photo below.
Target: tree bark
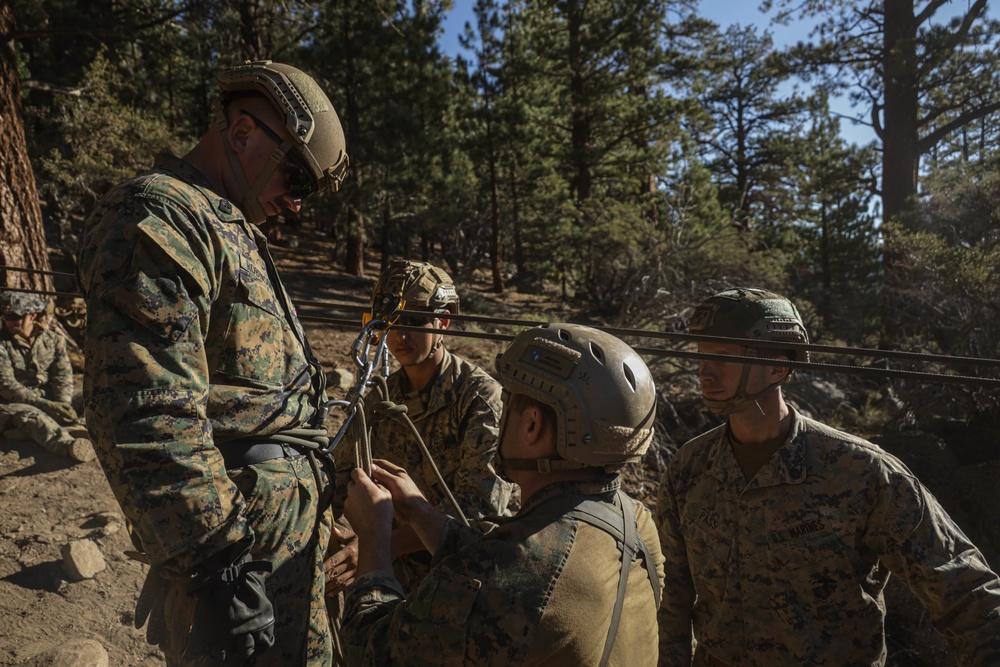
{"x": 900, "y": 153}
{"x": 22, "y": 237}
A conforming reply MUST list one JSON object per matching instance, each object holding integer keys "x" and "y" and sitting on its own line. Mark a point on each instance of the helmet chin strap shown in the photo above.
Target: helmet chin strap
{"x": 502, "y": 464}
{"x": 740, "y": 397}
{"x": 438, "y": 344}
{"x": 249, "y": 203}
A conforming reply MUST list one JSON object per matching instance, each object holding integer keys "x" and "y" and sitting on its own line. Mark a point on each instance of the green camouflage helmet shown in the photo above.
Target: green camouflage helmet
{"x": 601, "y": 390}
{"x": 751, "y": 313}
{"x": 21, "y": 303}
{"x": 755, "y": 314}
{"x": 422, "y": 286}
{"x": 317, "y": 135}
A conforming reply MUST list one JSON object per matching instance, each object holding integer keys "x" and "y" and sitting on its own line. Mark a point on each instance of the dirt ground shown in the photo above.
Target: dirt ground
{"x": 46, "y": 502}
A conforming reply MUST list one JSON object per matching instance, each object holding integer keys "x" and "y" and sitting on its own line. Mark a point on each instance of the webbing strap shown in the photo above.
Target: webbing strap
{"x": 601, "y": 516}
{"x": 620, "y": 523}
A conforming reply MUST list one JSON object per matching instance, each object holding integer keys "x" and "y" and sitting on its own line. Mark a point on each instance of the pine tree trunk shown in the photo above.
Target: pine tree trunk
{"x": 22, "y": 237}
{"x": 900, "y": 153}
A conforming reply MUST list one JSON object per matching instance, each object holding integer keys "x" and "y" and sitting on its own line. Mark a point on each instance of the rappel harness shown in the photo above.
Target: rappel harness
{"x": 620, "y": 523}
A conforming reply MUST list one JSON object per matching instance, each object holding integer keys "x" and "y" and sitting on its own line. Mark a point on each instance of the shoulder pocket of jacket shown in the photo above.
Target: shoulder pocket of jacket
{"x": 158, "y": 304}
{"x": 445, "y": 597}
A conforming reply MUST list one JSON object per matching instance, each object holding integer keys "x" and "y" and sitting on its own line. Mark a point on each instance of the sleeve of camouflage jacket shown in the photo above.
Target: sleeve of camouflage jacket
{"x": 922, "y": 545}
{"x": 147, "y": 271}
{"x": 61, "y": 371}
{"x": 678, "y": 589}
{"x": 371, "y": 601}
{"x": 477, "y": 488}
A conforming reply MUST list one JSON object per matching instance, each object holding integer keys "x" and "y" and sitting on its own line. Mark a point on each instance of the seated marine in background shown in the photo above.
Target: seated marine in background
{"x": 36, "y": 379}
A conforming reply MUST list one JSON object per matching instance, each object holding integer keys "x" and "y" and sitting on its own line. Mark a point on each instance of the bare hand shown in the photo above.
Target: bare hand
{"x": 339, "y": 569}
{"x": 412, "y": 510}
{"x": 368, "y": 508}
{"x": 406, "y": 497}
{"x": 62, "y": 413}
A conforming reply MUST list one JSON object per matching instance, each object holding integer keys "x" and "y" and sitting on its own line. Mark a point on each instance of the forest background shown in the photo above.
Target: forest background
{"x": 625, "y": 157}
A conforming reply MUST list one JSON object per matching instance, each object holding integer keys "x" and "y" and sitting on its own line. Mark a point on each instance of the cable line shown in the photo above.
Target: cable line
{"x": 865, "y": 371}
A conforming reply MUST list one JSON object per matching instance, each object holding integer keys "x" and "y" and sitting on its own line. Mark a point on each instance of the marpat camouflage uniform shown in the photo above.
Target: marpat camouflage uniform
{"x": 32, "y": 373}
{"x": 458, "y": 417}
{"x": 191, "y": 342}
{"x": 789, "y": 569}
{"x": 537, "y": 589}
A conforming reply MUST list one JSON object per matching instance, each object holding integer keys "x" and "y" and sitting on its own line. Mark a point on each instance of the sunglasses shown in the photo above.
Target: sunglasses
{"x": 417, "y": 320}
{"x": 299, "y": 181}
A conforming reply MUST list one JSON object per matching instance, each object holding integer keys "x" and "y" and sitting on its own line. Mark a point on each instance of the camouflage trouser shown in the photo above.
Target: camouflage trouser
{"x": 36, "y": 425}
{"x": 282, "y": 501}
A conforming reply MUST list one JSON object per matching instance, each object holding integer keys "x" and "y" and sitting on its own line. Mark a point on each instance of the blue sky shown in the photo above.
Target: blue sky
{"x": 725, "y": 13}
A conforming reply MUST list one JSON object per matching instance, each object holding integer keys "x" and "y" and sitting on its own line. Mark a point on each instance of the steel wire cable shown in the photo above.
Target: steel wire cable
{"x": 865, "y": 371}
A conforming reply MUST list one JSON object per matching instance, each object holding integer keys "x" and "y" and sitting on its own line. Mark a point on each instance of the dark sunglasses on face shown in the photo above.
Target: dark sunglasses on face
{"x": 11, "y": 317}
{"x": 299, "y": 182}
{"x": 417, "y": 320}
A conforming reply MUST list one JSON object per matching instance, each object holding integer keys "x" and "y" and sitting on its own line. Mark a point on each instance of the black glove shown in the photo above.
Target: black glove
{"x": 233, "y": 617}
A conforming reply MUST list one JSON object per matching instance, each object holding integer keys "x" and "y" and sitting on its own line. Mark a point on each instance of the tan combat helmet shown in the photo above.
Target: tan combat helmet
{"x": 420, "y": 285}
{"x": 316, "y": 155}
{"x": 601, "y": 390}
{"x": 750, "y": 313}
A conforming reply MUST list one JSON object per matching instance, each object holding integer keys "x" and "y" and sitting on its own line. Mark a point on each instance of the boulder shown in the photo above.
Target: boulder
{"x": 82, "y": 559}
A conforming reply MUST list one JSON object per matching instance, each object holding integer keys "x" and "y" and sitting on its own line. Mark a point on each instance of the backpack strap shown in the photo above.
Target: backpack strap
{"x": 618, "y": 521}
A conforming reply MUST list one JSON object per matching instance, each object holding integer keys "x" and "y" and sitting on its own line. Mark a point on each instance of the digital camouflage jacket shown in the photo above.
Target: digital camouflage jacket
{"x": 191, "y": 341}
{"x": 36, "y": 370}
{"x": 458, "y": 417}
{"x": 538, "y": 588}
{"x": 789, "y": 568}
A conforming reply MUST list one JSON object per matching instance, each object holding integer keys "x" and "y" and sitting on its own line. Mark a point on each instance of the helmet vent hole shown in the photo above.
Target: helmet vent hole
{"x": 630, "y": 376}
{"x": 564, "y": 334}
{"x": 598, "y": 352}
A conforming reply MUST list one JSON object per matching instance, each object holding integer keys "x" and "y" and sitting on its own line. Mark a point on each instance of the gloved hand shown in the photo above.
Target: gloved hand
{"x": 61, "y": 412}
{"x": 233, "y": 617}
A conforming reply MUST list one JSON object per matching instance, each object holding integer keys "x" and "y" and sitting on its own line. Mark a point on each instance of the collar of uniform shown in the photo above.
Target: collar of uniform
{"x": 605, "y": 486}
{"x": 224, "y": 209}
{"x": 435, "y": 398}
{"x": 720, "y": 461}
{"x": 788, "y": 465}
{"x": 20, "y": 340}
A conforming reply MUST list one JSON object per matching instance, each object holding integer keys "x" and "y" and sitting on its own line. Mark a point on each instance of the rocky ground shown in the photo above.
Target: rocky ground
{"x": 67, "y": 590}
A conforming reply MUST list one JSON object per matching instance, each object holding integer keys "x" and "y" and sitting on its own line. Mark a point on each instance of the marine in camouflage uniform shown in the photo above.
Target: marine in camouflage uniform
{"x": 458, "y": 417}
{"x": 36, "y": 379}
{"x": 456, "y": 411}
{"x": 196, "y": 361}
{"x": 549, "y": 586}
{"x": 778, "y": 549}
